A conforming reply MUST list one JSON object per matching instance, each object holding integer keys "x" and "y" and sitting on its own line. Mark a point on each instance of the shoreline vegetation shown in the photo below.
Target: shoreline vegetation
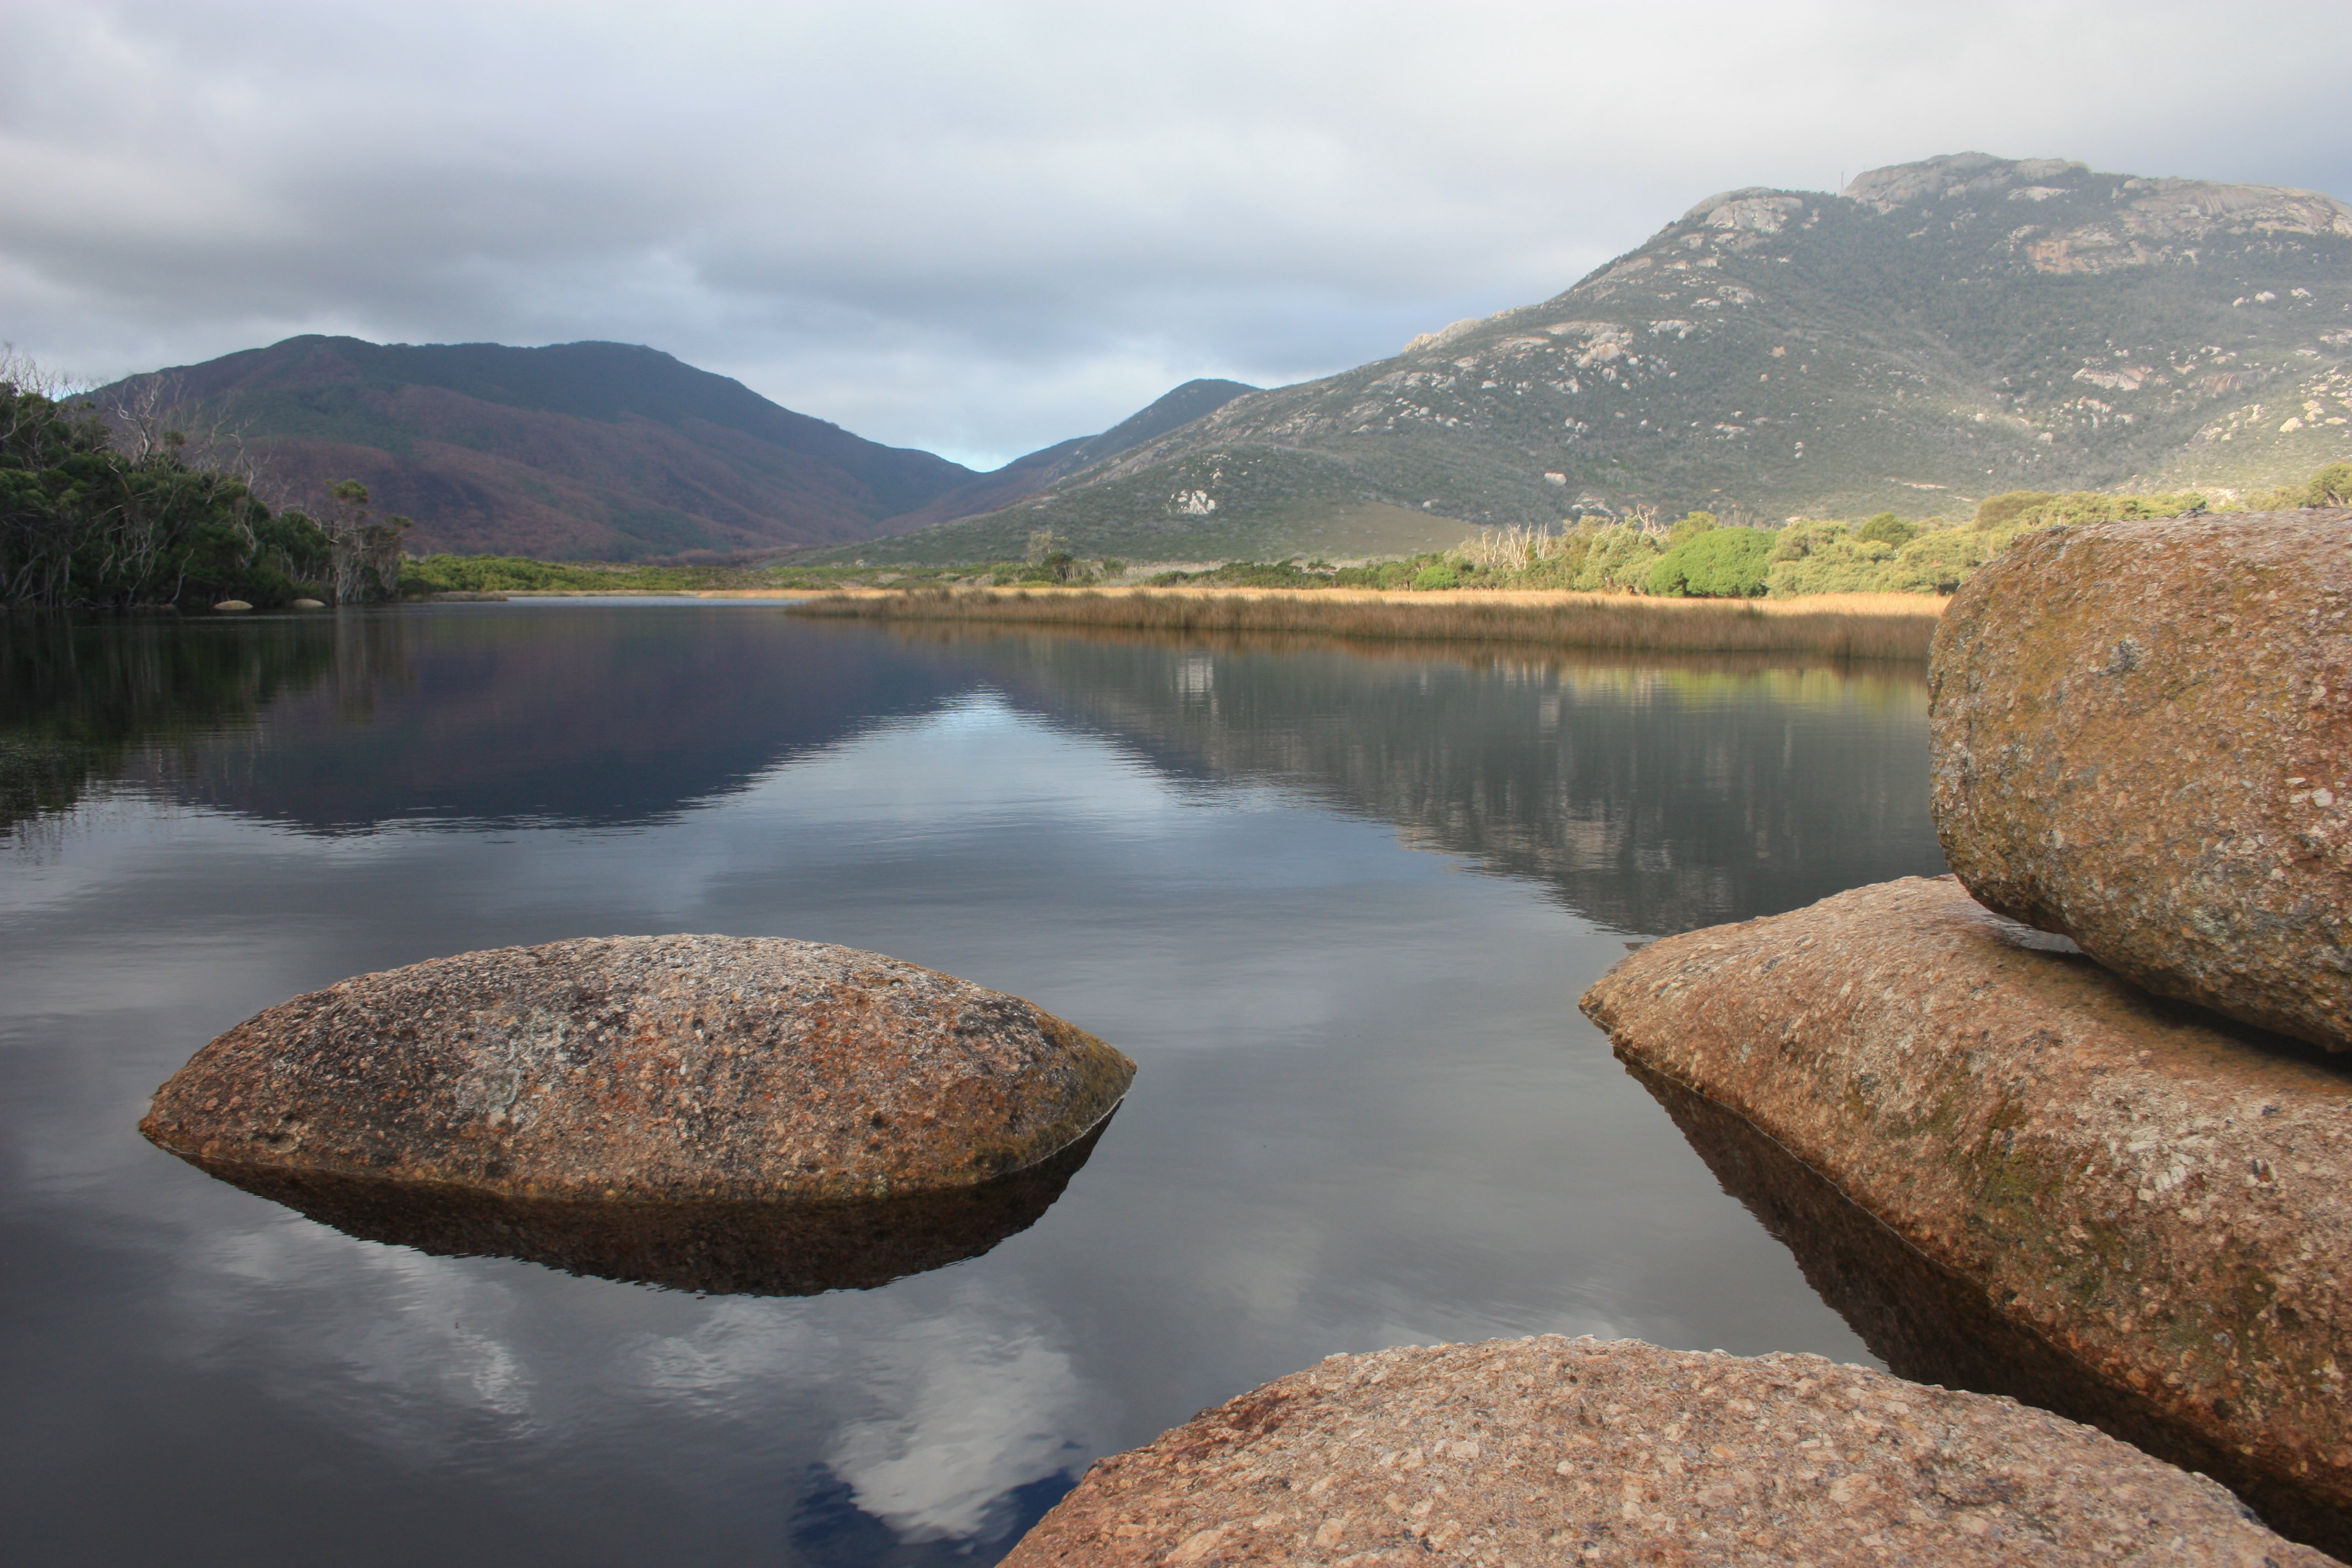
{"x": 144, "y": 506}
{"x": 1822, "y": 565}
{"x": 1840, "y": 626}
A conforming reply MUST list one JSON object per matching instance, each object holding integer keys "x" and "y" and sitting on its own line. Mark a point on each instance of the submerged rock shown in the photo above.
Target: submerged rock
{"x": 712, "y": 1246}
{"x": 1930, "y": 1325}
{"x": 2142, "y": 738}
{"x": 1557, "y": 1450}
{"x": 645, "y": 1069}
{"x": 2158, "y": 1194}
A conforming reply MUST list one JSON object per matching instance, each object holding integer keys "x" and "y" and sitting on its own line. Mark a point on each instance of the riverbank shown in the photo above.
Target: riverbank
{"x": 1843, "y": 626}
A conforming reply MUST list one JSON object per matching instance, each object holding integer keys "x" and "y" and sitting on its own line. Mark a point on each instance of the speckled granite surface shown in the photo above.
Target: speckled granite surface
{"x": 2142, "y": 738}
{"x": 646, "y": 1068}
{"x": 1555, "y": 1450}
{"x": 2160, "y": 1195}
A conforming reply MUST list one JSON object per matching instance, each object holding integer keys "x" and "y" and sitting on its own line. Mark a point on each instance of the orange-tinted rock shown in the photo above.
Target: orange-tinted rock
{"x": 1556, "y": 1450}
{"x": 2142, "y": 738}
{"x": 646, "y": 1069}
{"x": 2161, "y": 1195}
{"x": 1930, "y": 1325}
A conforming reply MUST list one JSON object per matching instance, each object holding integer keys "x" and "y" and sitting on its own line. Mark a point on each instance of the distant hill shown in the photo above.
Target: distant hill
{"x": 1937, "y": 332}
{"x": 579, "y": 451}
{"x": 1027, "y": 475}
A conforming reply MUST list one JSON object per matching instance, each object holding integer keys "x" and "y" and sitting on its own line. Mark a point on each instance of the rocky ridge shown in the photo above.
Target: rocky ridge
{"x": 1937, "y": 332}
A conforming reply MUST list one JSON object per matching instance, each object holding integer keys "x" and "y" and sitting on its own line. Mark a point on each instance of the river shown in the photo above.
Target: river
{"x": 1337, "y": 902}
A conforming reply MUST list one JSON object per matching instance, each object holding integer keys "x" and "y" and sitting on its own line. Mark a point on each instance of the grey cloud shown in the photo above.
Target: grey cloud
{"x": 982, "y": 229}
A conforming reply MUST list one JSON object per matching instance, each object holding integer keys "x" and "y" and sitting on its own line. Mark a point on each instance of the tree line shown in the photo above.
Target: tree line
{"x": 125, "y": 509}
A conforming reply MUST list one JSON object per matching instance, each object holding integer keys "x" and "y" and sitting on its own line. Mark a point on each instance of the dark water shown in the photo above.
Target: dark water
{"x": 1338, "y": 904}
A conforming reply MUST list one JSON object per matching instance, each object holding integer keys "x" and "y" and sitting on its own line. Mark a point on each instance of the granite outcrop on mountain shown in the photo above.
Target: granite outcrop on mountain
{"x": 645, "y": 1069}
{"x": 1559, "y": 1450}
{"x": 1937, "y": 332}
{"x": 2142, "y": 738}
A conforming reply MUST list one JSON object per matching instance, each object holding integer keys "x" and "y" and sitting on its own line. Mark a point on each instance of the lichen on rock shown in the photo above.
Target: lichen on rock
{"x": 2142, "y": 738}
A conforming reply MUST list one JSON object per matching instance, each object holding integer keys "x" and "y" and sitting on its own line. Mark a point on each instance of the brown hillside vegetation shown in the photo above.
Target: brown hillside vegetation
{"x": 1842, "y": 626}
{"x": 575, "y": 451}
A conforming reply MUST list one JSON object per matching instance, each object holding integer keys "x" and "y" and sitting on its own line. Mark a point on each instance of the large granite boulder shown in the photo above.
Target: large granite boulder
{"x": 1929, "y": 1324}
{"x": 1557, "y": 1450}
{"x": 645, "y": 1069}
{"x": 2142, "y": 738}
{"x": 2160, "y": 1195}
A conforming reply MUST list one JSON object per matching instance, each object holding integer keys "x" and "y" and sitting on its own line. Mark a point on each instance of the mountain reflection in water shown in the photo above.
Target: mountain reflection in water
{"x": 1653, "y": 796}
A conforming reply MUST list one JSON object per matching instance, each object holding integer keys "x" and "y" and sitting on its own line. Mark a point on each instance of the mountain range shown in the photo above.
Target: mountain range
{"x": 1937, "y": 332}
{"x": 589, "y": 451}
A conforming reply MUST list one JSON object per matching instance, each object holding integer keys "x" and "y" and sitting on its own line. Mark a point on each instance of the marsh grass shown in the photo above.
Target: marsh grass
{"x": 1851, "y": 626}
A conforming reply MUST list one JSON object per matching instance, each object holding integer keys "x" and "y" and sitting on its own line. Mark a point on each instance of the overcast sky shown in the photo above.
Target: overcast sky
{"x": 979, "y": 229}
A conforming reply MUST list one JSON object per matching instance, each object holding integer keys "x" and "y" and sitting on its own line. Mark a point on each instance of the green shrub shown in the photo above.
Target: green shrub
{"x": 1617, "y": 560}
{"x": 1440, "y": 577}
{"x": 2332, "y": 486}
{"x": 2091, "y": 506}
{"x": 1940, "y": 561}
{"x": 1715, "y": 563}
{"x": 2003, "y": 510}
{"x": 1810, "y": 558}
{"x": 1692, "y": 523}
{"x": 1887, "y": 529}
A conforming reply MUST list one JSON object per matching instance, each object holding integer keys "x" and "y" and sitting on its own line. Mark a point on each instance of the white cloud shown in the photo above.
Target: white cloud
{"x": 972, "y": 1410}
{"x": 982, "y": 228}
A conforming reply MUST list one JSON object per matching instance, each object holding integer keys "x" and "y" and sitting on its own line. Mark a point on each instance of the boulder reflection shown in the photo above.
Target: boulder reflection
{"x": 713, "y": 1249}
{"x": 1930, "y": 1325}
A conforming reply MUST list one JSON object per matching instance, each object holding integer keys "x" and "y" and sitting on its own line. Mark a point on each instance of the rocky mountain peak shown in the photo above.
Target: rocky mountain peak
{"x": 1956, "y": 173}
{"x": 1940, "y": 331}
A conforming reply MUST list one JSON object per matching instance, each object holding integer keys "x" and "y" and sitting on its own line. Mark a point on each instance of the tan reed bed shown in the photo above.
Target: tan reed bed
{"x": 1844, "y": 626}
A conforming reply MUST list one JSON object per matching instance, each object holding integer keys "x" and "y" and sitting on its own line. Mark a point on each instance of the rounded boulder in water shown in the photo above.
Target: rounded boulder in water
{"x": 2142, "y": 738}
{"x": 657, "y": 1069}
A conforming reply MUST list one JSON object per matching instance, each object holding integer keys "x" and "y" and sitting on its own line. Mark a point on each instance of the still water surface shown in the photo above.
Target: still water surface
{"x": 1338, "y": 903}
